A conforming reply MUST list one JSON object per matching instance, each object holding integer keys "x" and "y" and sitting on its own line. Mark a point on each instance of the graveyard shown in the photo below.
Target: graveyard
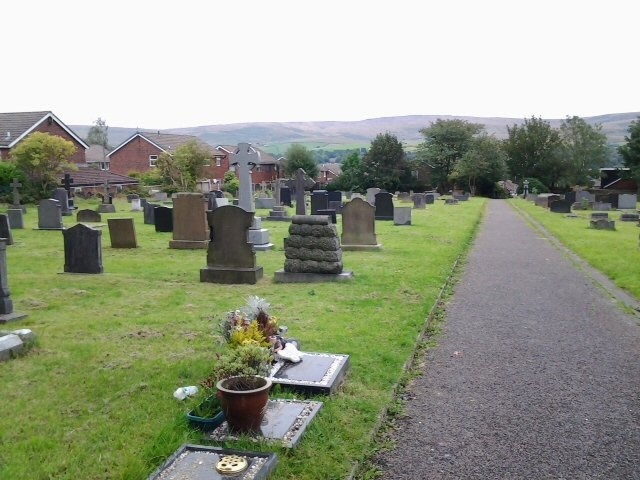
{"x": 93, "y": 398}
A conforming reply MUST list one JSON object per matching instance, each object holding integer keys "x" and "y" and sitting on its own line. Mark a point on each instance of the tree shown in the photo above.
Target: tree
{"x": 352, "y": 176}
{"x": 630, "y": 151}
{"x": 297, "y": 156}
{"x": 43, "y": 158}
{"x": 99, "y": 134}
{"x": 533, "y": 150}
{"x": 230, "y": 182}
{"x": 445, "y": 143}
{"x": 180, "y": 171}
{"x": 584, "y": 150}
{"x": 483, "y": 164}
{"x": 384, "y": 165}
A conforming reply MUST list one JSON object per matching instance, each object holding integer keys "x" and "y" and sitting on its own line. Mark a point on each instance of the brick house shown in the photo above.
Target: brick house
{"x": 15, "y": 127}
{"x": 327, "y": 172}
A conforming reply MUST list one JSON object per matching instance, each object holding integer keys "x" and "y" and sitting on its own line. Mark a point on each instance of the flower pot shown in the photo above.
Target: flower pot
{"x": 244, "y": 402}
{"x": 211, "y": 406}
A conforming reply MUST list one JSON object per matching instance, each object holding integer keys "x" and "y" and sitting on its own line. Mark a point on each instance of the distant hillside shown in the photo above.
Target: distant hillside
{"x": 350, "y": 134}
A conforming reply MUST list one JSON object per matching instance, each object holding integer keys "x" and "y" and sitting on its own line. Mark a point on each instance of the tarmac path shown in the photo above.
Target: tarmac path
{"x": 536, "y": 374}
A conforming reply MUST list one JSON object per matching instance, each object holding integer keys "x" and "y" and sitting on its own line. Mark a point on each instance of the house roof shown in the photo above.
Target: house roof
{"x": 17, "y": 125}
{"x": 92, "y": 177}
{"x": 263, "y": 157}
{"x": 96, "y": 153}
{"x": 333, "y": 168}
{"x": 167, "y": 142}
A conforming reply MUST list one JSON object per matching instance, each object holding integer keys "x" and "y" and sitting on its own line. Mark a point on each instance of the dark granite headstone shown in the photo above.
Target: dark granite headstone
{"x": 570, "y": 197}
{"x": 319, "y": 201}
{"x": 335, "y": 196}
{"x": 560, "y": 206}
{"x": 62, "y": 196}
{"x": 285, "y": 196}
{"x": 163, "y": 217}
{"x": 384, "y": 206}
{"x": 613, "y": 200}
{"x": 328, "y": 212}
{"x": 122, "y": 233}
{"x": 230, "y": 258}
{"x": 5, "y": 229}
{"x": 429, "y": 198}
{"x": 86, "y": 215}
{"x": 82, "y": 249}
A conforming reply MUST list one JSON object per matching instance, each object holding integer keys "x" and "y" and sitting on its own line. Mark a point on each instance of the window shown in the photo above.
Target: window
{"x": 207, "y": 162}
{"x": 104, "y": 165}
{"x": 218, "y": 162}
{"x": 152, "y": 160}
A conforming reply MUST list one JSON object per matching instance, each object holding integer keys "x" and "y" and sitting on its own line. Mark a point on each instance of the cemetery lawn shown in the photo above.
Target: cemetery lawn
{"x": 93, "y": 399}
{"x": 614, "y": 253}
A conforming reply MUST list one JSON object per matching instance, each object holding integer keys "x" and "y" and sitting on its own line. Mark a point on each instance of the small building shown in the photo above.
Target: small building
{"x": 16, "y": 126}
{"x": 327, "y": 172}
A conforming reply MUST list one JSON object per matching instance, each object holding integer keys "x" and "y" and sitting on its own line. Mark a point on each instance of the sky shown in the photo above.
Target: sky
{"x": 168, "y": 64}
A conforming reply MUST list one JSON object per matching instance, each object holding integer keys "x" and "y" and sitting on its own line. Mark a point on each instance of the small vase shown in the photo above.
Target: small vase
{"x": 244, "y": 402}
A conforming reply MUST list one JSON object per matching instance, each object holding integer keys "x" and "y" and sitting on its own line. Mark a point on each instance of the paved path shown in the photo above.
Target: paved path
{"x": 536, "y": 375}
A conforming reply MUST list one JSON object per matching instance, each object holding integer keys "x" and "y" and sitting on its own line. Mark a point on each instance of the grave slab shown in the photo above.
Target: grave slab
{"x": 198, "y": 462}
{"x": 285, "y": 421}
{"x": 317, "y": 373}
{"x": 10, "y": 346}
{"x": 280, "y": 276}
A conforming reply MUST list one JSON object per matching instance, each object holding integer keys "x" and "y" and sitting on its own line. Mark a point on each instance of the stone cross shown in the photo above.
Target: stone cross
{"x": 16, "y": 194}
{"x": 299, "y": 184}
{"x": 106, "y": 192}
{"x": 66, "y": 183}
{"x": 245, "y": 159}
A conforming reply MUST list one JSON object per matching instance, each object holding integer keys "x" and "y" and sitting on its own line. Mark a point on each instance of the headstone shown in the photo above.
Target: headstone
{"x": 463, "y": 197}
{"x": 16, "y": 218}
{"x": 122, "y": 233}
{"x": 300, "y": 183}
{"x": 329, "y": 213}
{"x": 450, "y": 201}
{"x": 603, "y": 224}
{"x": 279, "y": 214}
{"x": 49, "y": 215}
{"x": 319, "y": 201}
{"x": 570, "y": 197}
{"x": 60, "y": 194}
{"x": 107, "y": 201}
{"x": 312, "y": 252}
{"x": 585, "y": 197}
{"x": 160, "y": 196}
{"x": 190, "y": 229}
{"x": 429, "y": 198}
{"x": 6, "y": 305}
{"x": 371, "y": 195}
{"x": 596, "y": 215}
{"x": 82, "y": 249}
{"x": 384, "y": 206}
{"x": 136, "y": 206}
{"x": 629, "y": 217}
{"x": 132, "y": 196}
{"x": 402, "y": 216}
{"x": 419, "y": 201}
{"x": 359, "y": 226}
{"x": 149, "y": 212}
{"x": 613, "y": 200}
{"x": 404, "y": 197}
{"x": 627, "y": 201}
{"x": 86, "y": 215}
{"x": 163, "y": 218}
{"x": 245, "y": 159}
{"x": 230, "y": 258}
{"x": 67, "y": 181}
{"x": 265, "y": 202}
{"x": 285, "y": 196}
{"x": 5, "y": 229}
{"x": 601, "y": 206}
{"x": 560, "y": 206}
{"x": 15, "y": 186}
{"x": 544, "y": 199}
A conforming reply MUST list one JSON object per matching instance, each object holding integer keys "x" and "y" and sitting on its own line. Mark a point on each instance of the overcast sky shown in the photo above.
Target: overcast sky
{"x": 164, "y": 63}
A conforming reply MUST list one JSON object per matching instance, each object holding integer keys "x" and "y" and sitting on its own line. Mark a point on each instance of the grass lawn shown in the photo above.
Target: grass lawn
{"x": 615, "y": 253}
{"x": 93, "y": 399}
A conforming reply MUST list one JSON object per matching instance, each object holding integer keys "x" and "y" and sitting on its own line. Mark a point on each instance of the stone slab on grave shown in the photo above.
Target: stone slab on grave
{"x": 87, "y": 215}
{"x": 602, "y": 224}
{"x": 285, "y": 421}
{"x": 5, "y": 229}
{"x": 316, "y": 373}
{"x": 49, "y": 215}
{"x": 10, "y": 346}
{"x": 16, "y": 218}
{"x": 402, "y": 216}
{"x": 279, "y": 214}
{"x": 199, "y": 462}
{"x": 122, "y": 233}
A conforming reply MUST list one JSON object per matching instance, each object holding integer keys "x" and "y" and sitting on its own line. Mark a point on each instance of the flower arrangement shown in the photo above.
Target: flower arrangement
{"x": 252, "y": 324}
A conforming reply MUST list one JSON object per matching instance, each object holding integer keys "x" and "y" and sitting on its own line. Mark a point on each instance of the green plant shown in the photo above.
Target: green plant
{"x": 206, "y": 404}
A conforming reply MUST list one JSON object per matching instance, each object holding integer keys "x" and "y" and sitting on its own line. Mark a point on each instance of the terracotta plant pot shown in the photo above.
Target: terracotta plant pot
{"x": 244, "y": 402}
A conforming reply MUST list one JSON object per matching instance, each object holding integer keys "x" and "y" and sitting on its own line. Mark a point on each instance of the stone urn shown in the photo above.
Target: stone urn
{"x": 244, "y": 402}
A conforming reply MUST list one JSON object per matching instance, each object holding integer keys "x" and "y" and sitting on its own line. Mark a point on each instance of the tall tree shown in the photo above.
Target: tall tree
{"x": 384, "y": 164}
{"x": 297, "y": 156}
{"x": 630, "y": 151}
{"x": 484, "y": 163}
{"x": 99, "y": 134}
{"x": 584, "y": 150}
{"x": 181, "y": 170}
{"x": 533, "y": 150}
{"x": 445, "y": 143}
{"x": 43, "y": 157}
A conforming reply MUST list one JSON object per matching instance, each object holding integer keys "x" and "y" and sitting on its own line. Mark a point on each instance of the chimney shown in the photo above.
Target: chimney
{"x": 8, "y": 135}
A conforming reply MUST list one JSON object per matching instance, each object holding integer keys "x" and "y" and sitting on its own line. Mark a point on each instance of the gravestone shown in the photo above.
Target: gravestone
{"x": 6, "y": 305}
{"x": 312, "y": 252}
{"x": 5, "y": 229}
{"x": 16, "y": 218}
{"x": 160, "y": 196}
{"x": 585, "y": 197}
{"x": 86, "y": 215}
{"x": 316, "y": 374}
{"x": 265, "y": 202}
{"x": 570, "y": 197}
{"x": 49, "y": 215}
{"x": 404, "y": 197}
{"x": 384, "y": 206}
{"x": 299, "y": 184}
{"x": 279, "y": 214}
{"x": 371, "y": 195}
{"x": 359, "y": 226}
{"x": 149, "y": 212}
{"x": 230, "y": 258}
{"x": 613, "y": 200}
{"x": 597, "y": 215}
{"x": 629, "y": 217}
{"x": 136, "y": 206}
{"x": 67, "y": 181}
{"x": 190, "y": 229}
{"x": 329, "y": 213}
{"x": 319, "y": 201}
{"x": 163, "y": 218}
{"x": 601, "y": 206}
{"x": 419, "y": 201}
{"x": 627, "y": 201}
{"x": 560, "y": 206}
{"x": 544, "y": 199}
{"x": 603, "y": 224}
{"x": 461, "y": 197}
{"x": 61, "y": 195}
{"x": 15, "y": 186}
{"x": 429, "y": 198}
{"x": 82, "y": 249}
{"x": 122, "y": 233}
{"x": 107, "y": 201}
{"x": 402, "y": 216}
{"x": 285, "y": 196}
